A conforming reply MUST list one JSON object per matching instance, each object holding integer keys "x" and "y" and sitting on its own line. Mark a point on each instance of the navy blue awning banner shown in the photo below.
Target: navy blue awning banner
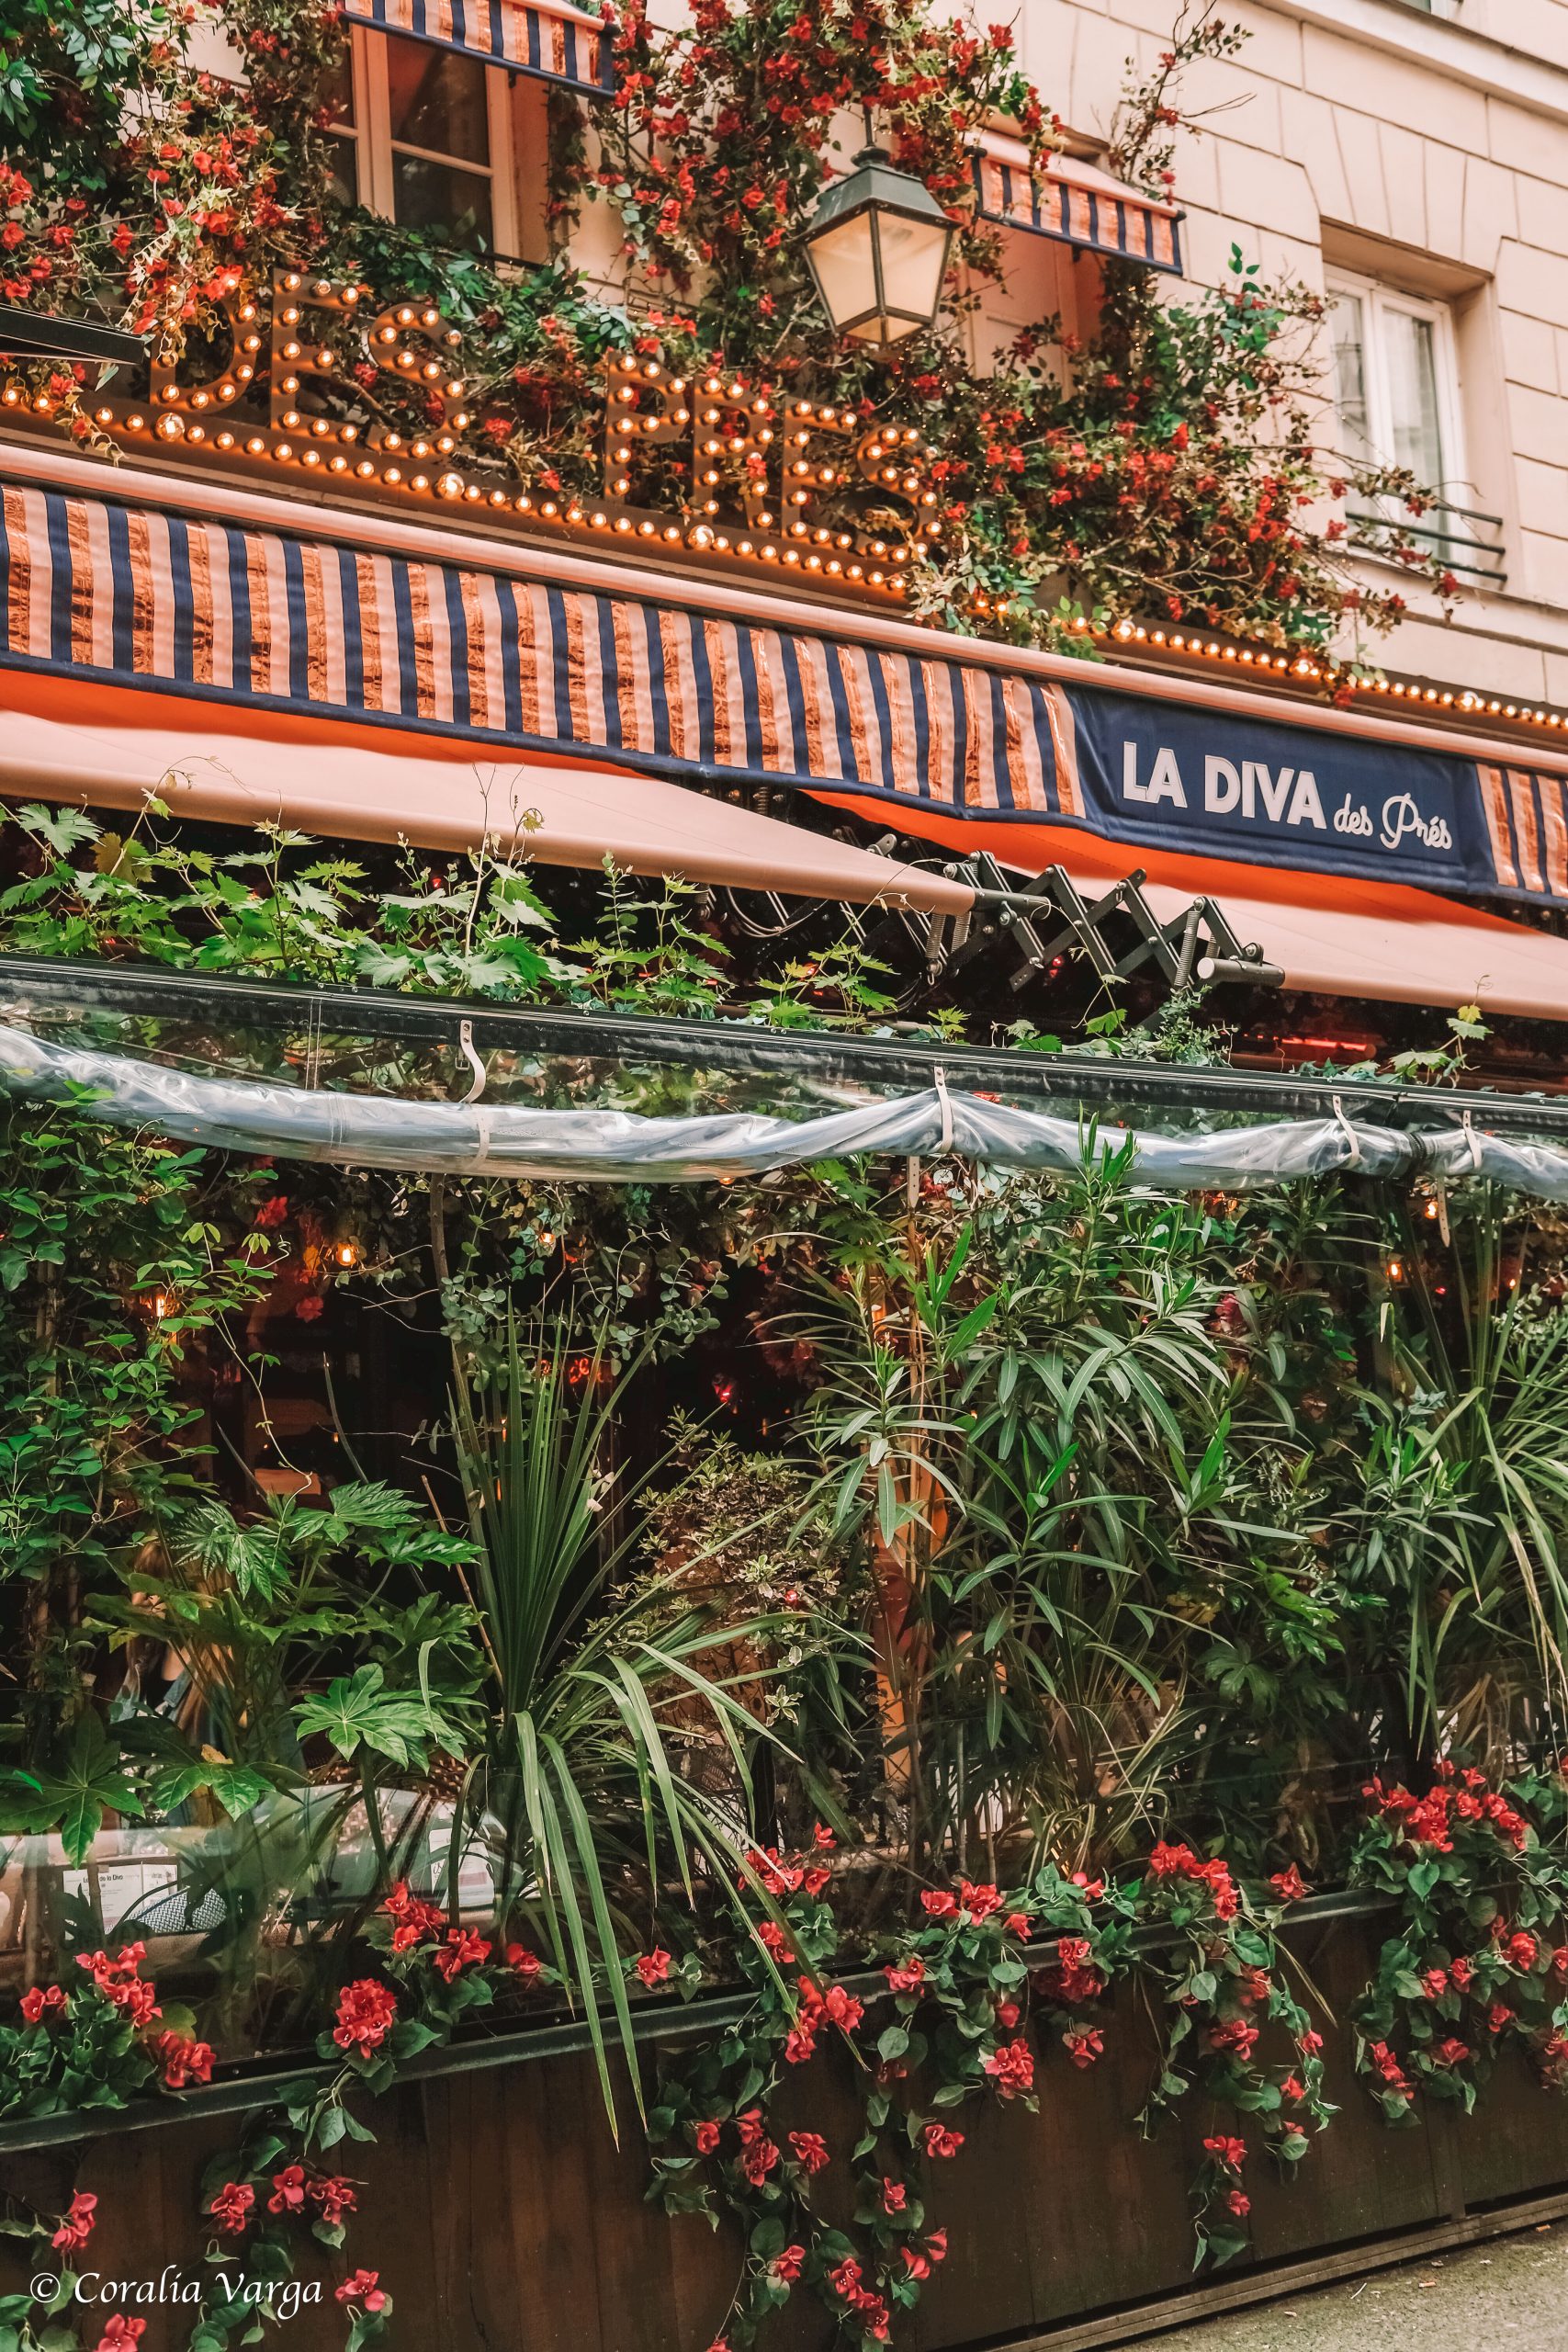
{"x": 98, "y": 588}
{"x": 550, "y": 39}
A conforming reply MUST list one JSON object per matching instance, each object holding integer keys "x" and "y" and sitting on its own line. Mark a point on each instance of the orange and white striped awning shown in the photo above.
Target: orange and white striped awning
{"x": 550, "y": 39}
{"x": 1075, "y": 202}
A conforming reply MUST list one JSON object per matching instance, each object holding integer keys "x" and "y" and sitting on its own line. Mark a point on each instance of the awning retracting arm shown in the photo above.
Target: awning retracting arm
{"x": 1196, "y": 944}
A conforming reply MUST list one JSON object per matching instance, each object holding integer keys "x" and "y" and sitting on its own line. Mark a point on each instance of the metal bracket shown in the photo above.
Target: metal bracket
{"x": 1196, "y": 944}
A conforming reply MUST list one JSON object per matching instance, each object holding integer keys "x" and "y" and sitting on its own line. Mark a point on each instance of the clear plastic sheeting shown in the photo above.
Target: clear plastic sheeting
{"x": 612, "y": 1145}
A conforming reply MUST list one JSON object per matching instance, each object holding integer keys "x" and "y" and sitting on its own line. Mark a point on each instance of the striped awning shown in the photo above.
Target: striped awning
{"x": 291, "y": 618}
{"x": 547, "y": 38}
{"x": 1075, "y": 202}
{"x": 333, "y": 618}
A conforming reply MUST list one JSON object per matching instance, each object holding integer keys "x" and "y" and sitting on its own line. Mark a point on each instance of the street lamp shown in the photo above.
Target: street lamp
{"x": 878, "y": 245}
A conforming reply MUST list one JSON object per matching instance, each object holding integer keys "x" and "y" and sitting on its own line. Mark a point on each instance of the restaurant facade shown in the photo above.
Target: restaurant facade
{"x": 265, "y": 554}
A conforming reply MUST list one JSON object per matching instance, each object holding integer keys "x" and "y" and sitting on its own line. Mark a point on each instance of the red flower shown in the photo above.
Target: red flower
{"x": 980, "y": 1901}
{"x": 810, "y": 2150}
{"x": 908, "y": 1976}
{"x": 940, "y": 1905}
{"x": 271, "y": 1212}
{"x": 1452, "y": 2052}
{"x": 232, "y": 2207}
{"x": 288, "y": 2190}
{"x": 1237, "y": 2037}
{"x": 842, "y": 2008}
{"x": 464, "y": 1948}
{"x": 415, "y": 1919}
{"x": 823, "y": 1837}
{"x": 1288, "y": 1885}
{"x": 336, "y": 2197}
{"x": 751, "y": 2127}
{"x": 120, "y": 2332}
{"x": 1018, "y": 1923}
{"x": 785, "y": 2266}
{"x": 363, "y": 2289}
{"x": 757, "y": 2161}
{"x": 76, "y": 2226}
{"x": 1230, "y": 2153}
{"x": 1240, "y": 2203}
{"x": 119, "y": 1981}
{"x": 1435, "y": 1983}
{"x": 1521, "y": 1952}
{"x": 706, "y": 2138}
{"x": 774, "y": 1940}
{"x": 1083, "y": 2044}
{"x": 654, "y": 1967}
{"x": 1072, "y": 1981}
{"x": 1384, "y": 2063}
{"x": 1007, "y": 2015}
{"x": 184, "y": 2060}
{"x": 1293, "y": 2091}
{"x": 1012, "y": 2068}
{"x": 895, "y": 2195}
{"x": 524, "y": 1963}
{"x": 938, "y": 2140}
{"x": 364, "y": 2013}
{"x": 39, "y": 1999}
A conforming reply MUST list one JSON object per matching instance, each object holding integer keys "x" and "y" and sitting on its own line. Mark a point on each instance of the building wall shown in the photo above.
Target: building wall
{"x": 1429, "y": 153}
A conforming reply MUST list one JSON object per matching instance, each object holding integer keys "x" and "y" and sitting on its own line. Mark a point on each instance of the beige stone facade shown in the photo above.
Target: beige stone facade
{"x": 1378, "y": 143}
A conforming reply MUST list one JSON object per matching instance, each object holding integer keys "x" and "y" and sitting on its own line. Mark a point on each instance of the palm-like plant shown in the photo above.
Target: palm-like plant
{"x": 591, "y": 1718}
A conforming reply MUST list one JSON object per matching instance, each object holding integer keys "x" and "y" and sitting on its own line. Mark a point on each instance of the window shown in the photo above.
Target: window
{"x": 425, "y": 136}
{"x": 1395, "y": 383}
{"x": 1394, "y": 376}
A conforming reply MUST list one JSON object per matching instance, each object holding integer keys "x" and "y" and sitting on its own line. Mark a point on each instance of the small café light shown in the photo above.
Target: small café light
{"x": 877, "y": 246}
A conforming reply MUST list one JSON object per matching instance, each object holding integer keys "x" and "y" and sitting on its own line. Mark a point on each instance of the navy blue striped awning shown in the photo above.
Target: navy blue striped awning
{"x": 547, "y": 37}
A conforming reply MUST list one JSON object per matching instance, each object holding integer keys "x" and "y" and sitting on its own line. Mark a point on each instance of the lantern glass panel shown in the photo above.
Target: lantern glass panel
{"x": 913, "y": 255}
{"x": 846, "y": 271}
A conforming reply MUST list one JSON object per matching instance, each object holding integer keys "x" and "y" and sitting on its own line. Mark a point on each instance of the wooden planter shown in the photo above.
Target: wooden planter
{"x": 503, "y": 2218}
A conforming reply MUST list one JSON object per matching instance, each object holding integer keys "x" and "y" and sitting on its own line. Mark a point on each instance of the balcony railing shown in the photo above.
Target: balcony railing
{"x": 1468, "y": 543}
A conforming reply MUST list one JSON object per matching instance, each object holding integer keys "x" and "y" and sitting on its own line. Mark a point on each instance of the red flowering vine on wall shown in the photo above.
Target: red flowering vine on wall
{"x": 1169, "y": 469}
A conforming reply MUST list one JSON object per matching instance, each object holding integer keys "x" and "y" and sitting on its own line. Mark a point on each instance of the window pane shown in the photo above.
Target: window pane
{"x": 1348, "y": 328}
{"x": 1410, "y": 353}
{"x": 337, "y": 91}
{"x": 439, "y": 196}
{"x": 345, "y": 169}
{"x": 437, "y": 101}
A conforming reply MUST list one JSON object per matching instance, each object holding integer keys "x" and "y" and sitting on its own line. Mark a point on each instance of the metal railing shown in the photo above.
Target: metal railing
{"x": 1467, "y": 542}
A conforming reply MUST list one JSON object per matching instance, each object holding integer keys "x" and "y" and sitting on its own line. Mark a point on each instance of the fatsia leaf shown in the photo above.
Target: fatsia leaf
{"x": 237, "y": 1787}
{"x": 356, "y": 1711}
{"x": 71, "y": 1798}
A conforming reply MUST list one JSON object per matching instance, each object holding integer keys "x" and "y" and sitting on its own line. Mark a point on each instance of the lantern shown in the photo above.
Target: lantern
{"x": 878, "y": 245}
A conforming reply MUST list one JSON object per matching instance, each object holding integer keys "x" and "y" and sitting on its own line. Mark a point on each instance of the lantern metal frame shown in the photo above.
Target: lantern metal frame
{"x": 875, "y": 188}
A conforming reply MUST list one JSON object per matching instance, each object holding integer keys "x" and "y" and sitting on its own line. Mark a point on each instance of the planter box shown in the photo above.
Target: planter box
{"x": 503, "y": 2218}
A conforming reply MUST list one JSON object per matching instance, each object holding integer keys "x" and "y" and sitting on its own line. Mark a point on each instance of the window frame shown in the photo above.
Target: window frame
{"x": 371, "y": 136}
{"x": 1376, "y": 298}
